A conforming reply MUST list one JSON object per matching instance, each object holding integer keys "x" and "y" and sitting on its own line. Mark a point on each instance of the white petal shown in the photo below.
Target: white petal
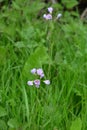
{"x": 30, "y": 83}
{"x": 39, "y": 71}
{"x": 50, "y": 9}
{"x": 33, "y": 71}
{"x": 47, "y": 82}
{"x": 59, "y": 15}
{"x": 37, "y": 83}
{"x": 44, "y": 16}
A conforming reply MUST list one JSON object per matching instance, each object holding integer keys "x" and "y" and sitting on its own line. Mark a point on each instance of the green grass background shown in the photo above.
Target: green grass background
{"x": 60, "y": 48}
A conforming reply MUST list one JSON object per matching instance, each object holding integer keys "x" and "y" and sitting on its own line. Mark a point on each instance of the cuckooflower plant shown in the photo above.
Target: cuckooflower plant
{"x": 38, "y": 72}
{"x": 49, "y": 15}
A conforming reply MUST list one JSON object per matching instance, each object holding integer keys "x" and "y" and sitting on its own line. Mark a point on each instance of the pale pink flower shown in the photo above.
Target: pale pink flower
{"x": 37, "y": 83}
{"x": 42, "y": 75}
{"x": 50, "y": 10}
{"x": 47, "y": 82}
{"x": 40, "y": 72}
{"x": 59, "y": 16}
{"x": 33, "y": 71}
{"x": 47, "y": 16}
{"x": 30, "y": 83}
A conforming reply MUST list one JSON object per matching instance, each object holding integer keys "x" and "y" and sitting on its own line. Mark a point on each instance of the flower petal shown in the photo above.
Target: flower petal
{"x": 50, "y": 10}
{"x": 59, "y": 16}
{"x": 44, "y": 16}
{"x": 37, "y": 83}
{"x": 30, "y": 83}
{"x": 39, "y": 71}
{"x": 42, "y": 75}
{"x": 47, "y": 16}
{"x": 47, "y": 82}
{"x": 33, "y": 71}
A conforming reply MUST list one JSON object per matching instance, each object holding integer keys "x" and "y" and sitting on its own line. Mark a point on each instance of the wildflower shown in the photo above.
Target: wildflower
{"x": 40, "y": 72}
{"x": 47, "y": 16}
{"x": 44, "y": 16}
{"x": 47, "y": 82}
{"x": 59, "y": 16}
{"x": 50, "y": 10}
{"x": 33, "y": 71}
{"x": 30, "y": 83}
{"x": 37, "y": 83}
{"x": 42, "y": 75}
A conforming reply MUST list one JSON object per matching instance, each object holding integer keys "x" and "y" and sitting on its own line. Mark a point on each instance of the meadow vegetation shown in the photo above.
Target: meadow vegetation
{"x": 59, "y": 47}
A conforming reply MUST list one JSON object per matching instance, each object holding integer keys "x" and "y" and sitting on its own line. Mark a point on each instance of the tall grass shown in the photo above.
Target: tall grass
{"x": 60, "y": 48}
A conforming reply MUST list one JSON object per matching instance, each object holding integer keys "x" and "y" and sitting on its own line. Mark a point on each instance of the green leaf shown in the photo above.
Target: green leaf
{"x": 35, "y": 7}
{"x": 76, "y": 124}
{"x": 15, "y": 5}
{"x": 28, "y": 33}
{"x": 35, "y": 60}
{"x": 2, "y": 112}
{"x": 70, "y": 3}
{"x": 13, "y": 123}
{"x": 3, "y": 125}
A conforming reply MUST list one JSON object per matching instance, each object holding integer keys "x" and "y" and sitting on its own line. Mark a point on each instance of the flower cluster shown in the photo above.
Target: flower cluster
{"x": 38, "y": 72}
{"x": 49, "y": 15}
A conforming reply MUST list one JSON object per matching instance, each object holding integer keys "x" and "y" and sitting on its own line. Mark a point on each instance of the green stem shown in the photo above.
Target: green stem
{"x": 26, "y": 103}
